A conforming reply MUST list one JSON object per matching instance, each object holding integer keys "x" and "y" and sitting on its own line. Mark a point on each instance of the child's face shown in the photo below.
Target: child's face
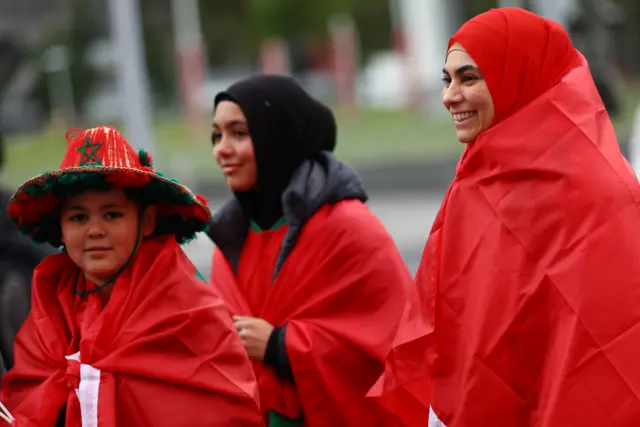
{"x": 99, "y": 231}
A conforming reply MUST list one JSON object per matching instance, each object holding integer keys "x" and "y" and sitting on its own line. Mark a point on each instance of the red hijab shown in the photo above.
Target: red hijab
{"x": 520, "y": 54}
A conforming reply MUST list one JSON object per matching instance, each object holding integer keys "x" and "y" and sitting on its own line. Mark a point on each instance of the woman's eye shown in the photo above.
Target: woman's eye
{"x": 446, "y": 80}
{"x": 215, "y": 137}
{"x": 467, "y": 79}
{"x": 240, "y": 133}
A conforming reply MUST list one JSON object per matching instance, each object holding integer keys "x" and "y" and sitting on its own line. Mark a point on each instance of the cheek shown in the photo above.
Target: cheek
{"x": 124, "y": 235}
{"x": 216, "y": 153}
{"x": 482, "y": 102}
{"x": 248, "y": 158}
{"x": 73, "y": 238}
{"x": 245, "y": 152}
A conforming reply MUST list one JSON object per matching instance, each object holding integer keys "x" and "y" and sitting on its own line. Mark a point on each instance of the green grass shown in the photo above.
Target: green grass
{"x": 368, "y": 138}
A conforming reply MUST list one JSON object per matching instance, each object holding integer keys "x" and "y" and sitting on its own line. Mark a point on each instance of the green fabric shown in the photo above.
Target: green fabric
{"x": 256, "y": 228}
{"x": 199, "y": 276}
{"x": 145, "y": 159}
{"x": 278, "y": 420}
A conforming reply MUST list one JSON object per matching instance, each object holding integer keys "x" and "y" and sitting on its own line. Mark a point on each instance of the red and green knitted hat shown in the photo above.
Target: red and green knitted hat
{"x": 100, "y": 159}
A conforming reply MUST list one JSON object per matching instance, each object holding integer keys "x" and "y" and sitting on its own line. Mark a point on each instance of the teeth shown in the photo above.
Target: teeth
{"x": 458, "y": 117}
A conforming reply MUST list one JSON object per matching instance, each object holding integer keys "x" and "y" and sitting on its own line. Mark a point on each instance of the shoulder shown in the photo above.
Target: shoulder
{"x": 352, "y": 221}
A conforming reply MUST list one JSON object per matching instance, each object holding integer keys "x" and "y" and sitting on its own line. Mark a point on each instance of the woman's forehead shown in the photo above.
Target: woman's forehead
{"x": 458, "y": 57}
{"x": 227, "y": 111}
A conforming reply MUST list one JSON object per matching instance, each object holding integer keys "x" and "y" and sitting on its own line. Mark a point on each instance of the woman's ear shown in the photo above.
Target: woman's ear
{"x": 149, "y": 219}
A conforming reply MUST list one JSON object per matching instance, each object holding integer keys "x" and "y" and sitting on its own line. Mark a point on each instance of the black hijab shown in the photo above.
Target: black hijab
{"x": 287, "y": 126}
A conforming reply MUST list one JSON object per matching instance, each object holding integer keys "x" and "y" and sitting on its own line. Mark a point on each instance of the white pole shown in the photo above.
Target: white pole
{"x": 190, "y": 67}
{"x": 186, "y": 23}
{"x": 131, "y": 72}
{"x": 190, "y": 57}
{"x": 634, "y": 143}
{"x": 427, "y": 28}
{"x": 557, "y": 10}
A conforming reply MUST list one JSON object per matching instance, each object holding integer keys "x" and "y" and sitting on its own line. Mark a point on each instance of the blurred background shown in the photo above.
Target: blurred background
{"x": 152, "y": 68}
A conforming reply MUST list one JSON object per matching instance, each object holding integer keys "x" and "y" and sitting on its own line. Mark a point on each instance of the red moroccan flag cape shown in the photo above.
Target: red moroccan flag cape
{"x": 342, "y": 297}
{"x": 163, "y": 351}
{"x": 530, "y": 279}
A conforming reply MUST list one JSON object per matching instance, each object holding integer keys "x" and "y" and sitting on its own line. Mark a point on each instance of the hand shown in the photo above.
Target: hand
{"x": 255, "y": 334}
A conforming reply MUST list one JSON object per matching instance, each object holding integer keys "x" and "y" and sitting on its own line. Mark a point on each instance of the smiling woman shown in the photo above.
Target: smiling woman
{"x": 233, "y": 147}
{"x": 466, "y": 95}
{"x": 526, "y": 307}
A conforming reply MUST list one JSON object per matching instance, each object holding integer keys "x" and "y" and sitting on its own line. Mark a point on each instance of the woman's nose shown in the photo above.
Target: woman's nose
{"x": 451, "y": 95}
{"x": 222, "y": 148}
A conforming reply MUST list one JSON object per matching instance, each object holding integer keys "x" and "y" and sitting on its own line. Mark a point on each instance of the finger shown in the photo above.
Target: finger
{"x": 246, "y": 324}
{"x": 236, "y": 318}
{"x": 244, "y": 321}
{"x": 246, "y": 334}
{"x": 238, "y": 326}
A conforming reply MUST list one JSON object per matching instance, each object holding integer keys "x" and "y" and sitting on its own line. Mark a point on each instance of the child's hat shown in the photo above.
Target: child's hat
{"x": 99, "y": 159}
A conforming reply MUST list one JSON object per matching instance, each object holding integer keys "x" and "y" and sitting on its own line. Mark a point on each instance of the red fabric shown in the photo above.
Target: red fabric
{"x": 341, "y": 292}
{"x": 516, "y": 69}
{"x": 166, "y": 349}
{"x": 534, "y": 267}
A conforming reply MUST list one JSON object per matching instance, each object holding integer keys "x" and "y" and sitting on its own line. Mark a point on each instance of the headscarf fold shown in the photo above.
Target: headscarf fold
{"x": 517, "y": 69}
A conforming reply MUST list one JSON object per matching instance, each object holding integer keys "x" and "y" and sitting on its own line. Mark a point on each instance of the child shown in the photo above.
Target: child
{"x": 122, "y": 331}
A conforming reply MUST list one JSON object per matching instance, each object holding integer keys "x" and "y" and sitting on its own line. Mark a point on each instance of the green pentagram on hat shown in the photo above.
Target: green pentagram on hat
{"x": 90, "y": 153}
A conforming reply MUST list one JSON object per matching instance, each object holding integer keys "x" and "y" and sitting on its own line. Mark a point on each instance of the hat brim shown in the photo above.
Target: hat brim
{"x": 35, "y": 206}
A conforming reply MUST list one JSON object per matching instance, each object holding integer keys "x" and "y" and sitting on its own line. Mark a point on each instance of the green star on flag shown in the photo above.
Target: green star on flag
{"x": 89, "y": 152}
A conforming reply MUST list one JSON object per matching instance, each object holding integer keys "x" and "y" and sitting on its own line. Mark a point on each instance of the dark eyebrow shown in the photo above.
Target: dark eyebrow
{"x": 463, "y": 69}
{"x": 232, "y": 123}
{"x": 103, "y": 207}
{"x": 110, "y": 206}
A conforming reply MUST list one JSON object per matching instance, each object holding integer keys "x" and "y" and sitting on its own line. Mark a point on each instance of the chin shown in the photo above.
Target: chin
{"x": 467, "y": 137}
{"x": 100, "y": 273}
{"x": 238, "y": 185}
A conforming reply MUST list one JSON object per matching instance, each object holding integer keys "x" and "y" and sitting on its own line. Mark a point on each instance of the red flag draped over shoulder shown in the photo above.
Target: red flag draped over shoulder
{"x": 162, "y": 352}
{"x": 341, "y": 296}
{"x": 530, "y": 281}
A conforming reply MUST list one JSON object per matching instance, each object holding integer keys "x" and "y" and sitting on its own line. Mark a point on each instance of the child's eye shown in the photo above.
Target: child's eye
{"x": 113, "y": 215}
{"x": 78, "y": 217}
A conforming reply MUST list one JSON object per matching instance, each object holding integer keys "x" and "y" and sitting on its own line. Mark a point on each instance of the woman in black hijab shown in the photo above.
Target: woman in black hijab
{"x": 313, "y": 279}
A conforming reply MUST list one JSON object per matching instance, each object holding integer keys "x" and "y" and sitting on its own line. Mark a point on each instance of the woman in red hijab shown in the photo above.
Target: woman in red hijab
{"x": 526, "y": 307}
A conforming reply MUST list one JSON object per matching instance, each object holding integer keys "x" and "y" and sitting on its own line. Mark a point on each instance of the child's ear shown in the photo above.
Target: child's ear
{"x": 149, "y": 218}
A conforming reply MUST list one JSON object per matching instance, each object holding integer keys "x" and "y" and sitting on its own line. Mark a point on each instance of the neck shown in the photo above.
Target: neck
{"x": 105, "y": 292}
{"x": 263, "y": 207}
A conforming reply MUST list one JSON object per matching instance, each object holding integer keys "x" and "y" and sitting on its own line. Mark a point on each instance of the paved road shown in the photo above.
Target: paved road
{"x": 407, "y": 215}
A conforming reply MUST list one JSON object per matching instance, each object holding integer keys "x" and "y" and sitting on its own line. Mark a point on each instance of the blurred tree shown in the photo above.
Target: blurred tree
{"x": 305, "y": 23}
{"x": 79, "y": 35}
{"x": 471, "y": 8}
{"x": 627, "y": 44}
{"x": 228, "y": 35}
{"x": 159, "y": 50}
